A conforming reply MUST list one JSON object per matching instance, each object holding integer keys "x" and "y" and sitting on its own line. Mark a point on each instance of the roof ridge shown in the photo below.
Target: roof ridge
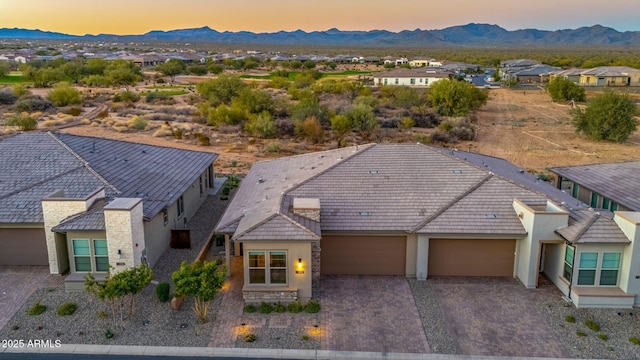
{"x": 452, "y": 202}
{"x": 140, "y": 143}
{"x": 84, "y": 162}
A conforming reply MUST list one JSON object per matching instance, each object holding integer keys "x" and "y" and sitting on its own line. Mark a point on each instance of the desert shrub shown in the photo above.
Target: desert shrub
{"x": 261, "y": 125}
{"x": 278, "y": 82}
{"x": 284, "y": 127}
{"x": 102, "y": 314}
{"x": 126, "y": 96}
{"x": 265, "y": 308}
{"x": 225, "y": 115}
{"x": 197, "y": 70}
{"x": 310, "y": 129}
{"x": 108, "y": 334}
{"x": 389, "y": 123}
{"x": 634, "y": 340}
{"x": 226, "y": 190}
{"x": 85, "y": 121}
{"x": 362, "y": 117}
{"x": 423, "y": 119}
{"x": 162, "y": 292}
{"x": 603, "y": 337}
{"x": 7, "y": 97}
{"x": 592, "y": 325}
{"x": 250, "y": 308}
{"x": 203, "y": 140}
{"x": 310, "y": 107}
{"x": 273, "y": 146}
{"x": 250, "y": 337}
{"x": 422, "y": 138}
{"x": 406, "y": 123}
{"x": 177, "y": 133}
{"x": 74, "y": 111}
{"x": 67, "y": 309}
{"x": 570, "y": 319}
{"x": 279, "y": 307}
{"x": 561, "y": 90}
{"x": 295, "y": 307}
{"x": 369, "y": 101}
{"x": 581, "y": 333}
{"x": 312, "y": 307}
{"x": 63, "y": 94}
{"x": 23, "y": 121}
{"x": 33, "y": 103}
{"x": 305, "y": 337}
{"x": 20, "y": 90}
{"x": 162, "y": 132}
{"x": 610, "y": 116}
{"x": 137, "y": 122}
{"x": 36, "y": 309}
{"x": 160, "y": 81}
{"x": 440, "y": 136}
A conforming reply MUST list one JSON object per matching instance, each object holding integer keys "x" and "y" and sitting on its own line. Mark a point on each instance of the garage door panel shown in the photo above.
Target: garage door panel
{"x": 363, "y": 255}
{"x": 23, "y": 247}
{"x": 471, "y": 257}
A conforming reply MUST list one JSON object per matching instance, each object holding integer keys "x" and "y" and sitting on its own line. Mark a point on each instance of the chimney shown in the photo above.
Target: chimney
{"x": 307, "y": 207}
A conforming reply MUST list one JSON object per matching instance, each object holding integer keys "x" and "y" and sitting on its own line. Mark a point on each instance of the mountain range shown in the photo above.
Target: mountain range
{"x": 477, "y": 35}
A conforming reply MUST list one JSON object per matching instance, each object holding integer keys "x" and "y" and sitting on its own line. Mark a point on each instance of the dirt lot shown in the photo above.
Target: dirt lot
{"x": 524, "y": 127}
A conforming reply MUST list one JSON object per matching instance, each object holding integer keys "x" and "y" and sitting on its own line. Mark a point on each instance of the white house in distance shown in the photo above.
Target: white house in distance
{"x": 411, "y": 77}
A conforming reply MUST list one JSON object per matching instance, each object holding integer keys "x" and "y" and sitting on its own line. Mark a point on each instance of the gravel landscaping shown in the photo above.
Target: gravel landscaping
{"x": 281, "y": 337}
{"x": 153, "y": 323}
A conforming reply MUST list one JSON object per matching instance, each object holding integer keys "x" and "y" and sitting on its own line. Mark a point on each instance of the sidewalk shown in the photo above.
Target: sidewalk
{"x": 254, "y": 353}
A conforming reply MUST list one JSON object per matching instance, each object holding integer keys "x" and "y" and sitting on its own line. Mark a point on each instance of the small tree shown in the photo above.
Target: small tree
{"x": 115, "y": 289}
{"x": 609, "y": 116}
{"x": 341, "y": 126}
{"x": 202, "y": 280}
{"x": 172, "y": 67}
{"x": 261, "y": 125}
{"x": 63, "y": 94}
{"x": 561, "y": 90}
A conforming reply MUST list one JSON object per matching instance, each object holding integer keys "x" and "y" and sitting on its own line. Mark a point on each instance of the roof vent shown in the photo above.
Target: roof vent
{"x": 374, "y": 172}
{"x": 260, "y": 180}
{"x": 365, "y": 213}
{"x": 457, "y": 171}
{"x": 490, "y": 216}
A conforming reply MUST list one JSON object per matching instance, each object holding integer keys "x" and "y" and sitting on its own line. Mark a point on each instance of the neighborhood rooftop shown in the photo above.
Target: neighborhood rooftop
{"x": 43, "y": 163}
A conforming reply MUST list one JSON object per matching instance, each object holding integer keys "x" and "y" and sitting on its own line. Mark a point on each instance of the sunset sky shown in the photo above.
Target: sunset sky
{"x": 140, "y": 16}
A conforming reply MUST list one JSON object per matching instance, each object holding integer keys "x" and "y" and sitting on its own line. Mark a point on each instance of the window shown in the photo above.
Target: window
{"x": 273, "y": 272}
{"x": 82, "y": 255}
{"x": 413, "y": 81}
{"x": 87, "y": 258}
{"x": 568, "y": 263}
{"x": 396, "y": 81}
{"x": 101, "y": 255}
{"x": 609, "y": 205}
{"x": 599, "y": 270}
{"x": 180, "y": 206}
{"x": 385, "y": 81}
{"x": 575, "y": 190}
{"x": 594, "y": 200}
{"x": 201, "y": 185}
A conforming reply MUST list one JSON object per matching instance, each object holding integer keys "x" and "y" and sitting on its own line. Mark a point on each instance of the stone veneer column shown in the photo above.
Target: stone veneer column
{"x": 315, "y": 267}
{"x": 55, "y": 208}
{"x": 125, "y": 232}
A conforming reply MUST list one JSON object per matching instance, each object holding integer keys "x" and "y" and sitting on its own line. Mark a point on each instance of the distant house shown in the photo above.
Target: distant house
{"x": 418, "y": 211}
{"x": 537, "y": 73}
{"x": 615, "y": 76}
{"x": 572, "y": 75}
{"x": 419, "y": 63}
{"x": 82, "y": 204}
{"x": 612, "y": 186}
{"x": 411, "y": 77}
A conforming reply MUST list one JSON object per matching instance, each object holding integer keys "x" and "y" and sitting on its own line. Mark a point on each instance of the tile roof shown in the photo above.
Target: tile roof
{"x": 417, "y": 72}
{"x": 588, "y": 226}
{"x": 92, "y": 219}
{"x": 610, "y": 71}
{"x": 616, "y": 181}
{"x": 36, "y": 164}
{"x": 383, "y": 187}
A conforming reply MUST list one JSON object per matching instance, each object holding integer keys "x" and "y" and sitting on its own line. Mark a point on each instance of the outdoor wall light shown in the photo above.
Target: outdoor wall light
{"x": 299, "y": 263}
{"x": 119, "y": 254}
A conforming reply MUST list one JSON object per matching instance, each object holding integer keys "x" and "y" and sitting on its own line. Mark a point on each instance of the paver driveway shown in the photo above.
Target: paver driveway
{"x": 17, "y": 283}
{"x": 370, "y": 313}
{"x": 497, "y": 316}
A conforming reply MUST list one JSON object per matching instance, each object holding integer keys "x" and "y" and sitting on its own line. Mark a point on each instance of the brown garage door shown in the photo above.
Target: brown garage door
{"x": 23, "y": 247}
{"x": 363, "y": 255}
{"x": 471, "y": 257}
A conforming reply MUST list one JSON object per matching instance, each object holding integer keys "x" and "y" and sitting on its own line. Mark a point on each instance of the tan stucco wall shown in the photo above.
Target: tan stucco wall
{"x": 411, "y": 257}
{"x": 554, "y": 265}
{"x": 629, "y": 223}
{"x": 295, "y": 250}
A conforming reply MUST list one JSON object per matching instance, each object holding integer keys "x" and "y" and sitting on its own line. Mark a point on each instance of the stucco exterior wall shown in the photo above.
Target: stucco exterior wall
{"x": 411, "y": 257}
{"x": 554, "y": 265}
{"x": 629, "y": 223}
{"x": 402, "y": 81}
{"x": 295, "y": 250}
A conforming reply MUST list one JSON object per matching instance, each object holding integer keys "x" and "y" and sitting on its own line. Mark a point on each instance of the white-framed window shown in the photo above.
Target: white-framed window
{"x": 90, "y": 256}
{"x": 271, "y": 272}
{"x": 180, "y": 206}
{"x": 567, "y": 272}
{"x": 599, "y": 268}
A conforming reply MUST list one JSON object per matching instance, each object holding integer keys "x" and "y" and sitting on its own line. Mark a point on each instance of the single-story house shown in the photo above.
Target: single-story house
{"x": 612, "y": 186}
{"x": 83, "y": 205}
{"x": 411, "y": 77}
{"x": 419, "y": 211}
{"x": 610, "y": 76}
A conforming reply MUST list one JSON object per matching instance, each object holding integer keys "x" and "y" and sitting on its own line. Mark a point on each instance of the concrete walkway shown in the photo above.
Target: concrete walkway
{"x": 250, "y": 353}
